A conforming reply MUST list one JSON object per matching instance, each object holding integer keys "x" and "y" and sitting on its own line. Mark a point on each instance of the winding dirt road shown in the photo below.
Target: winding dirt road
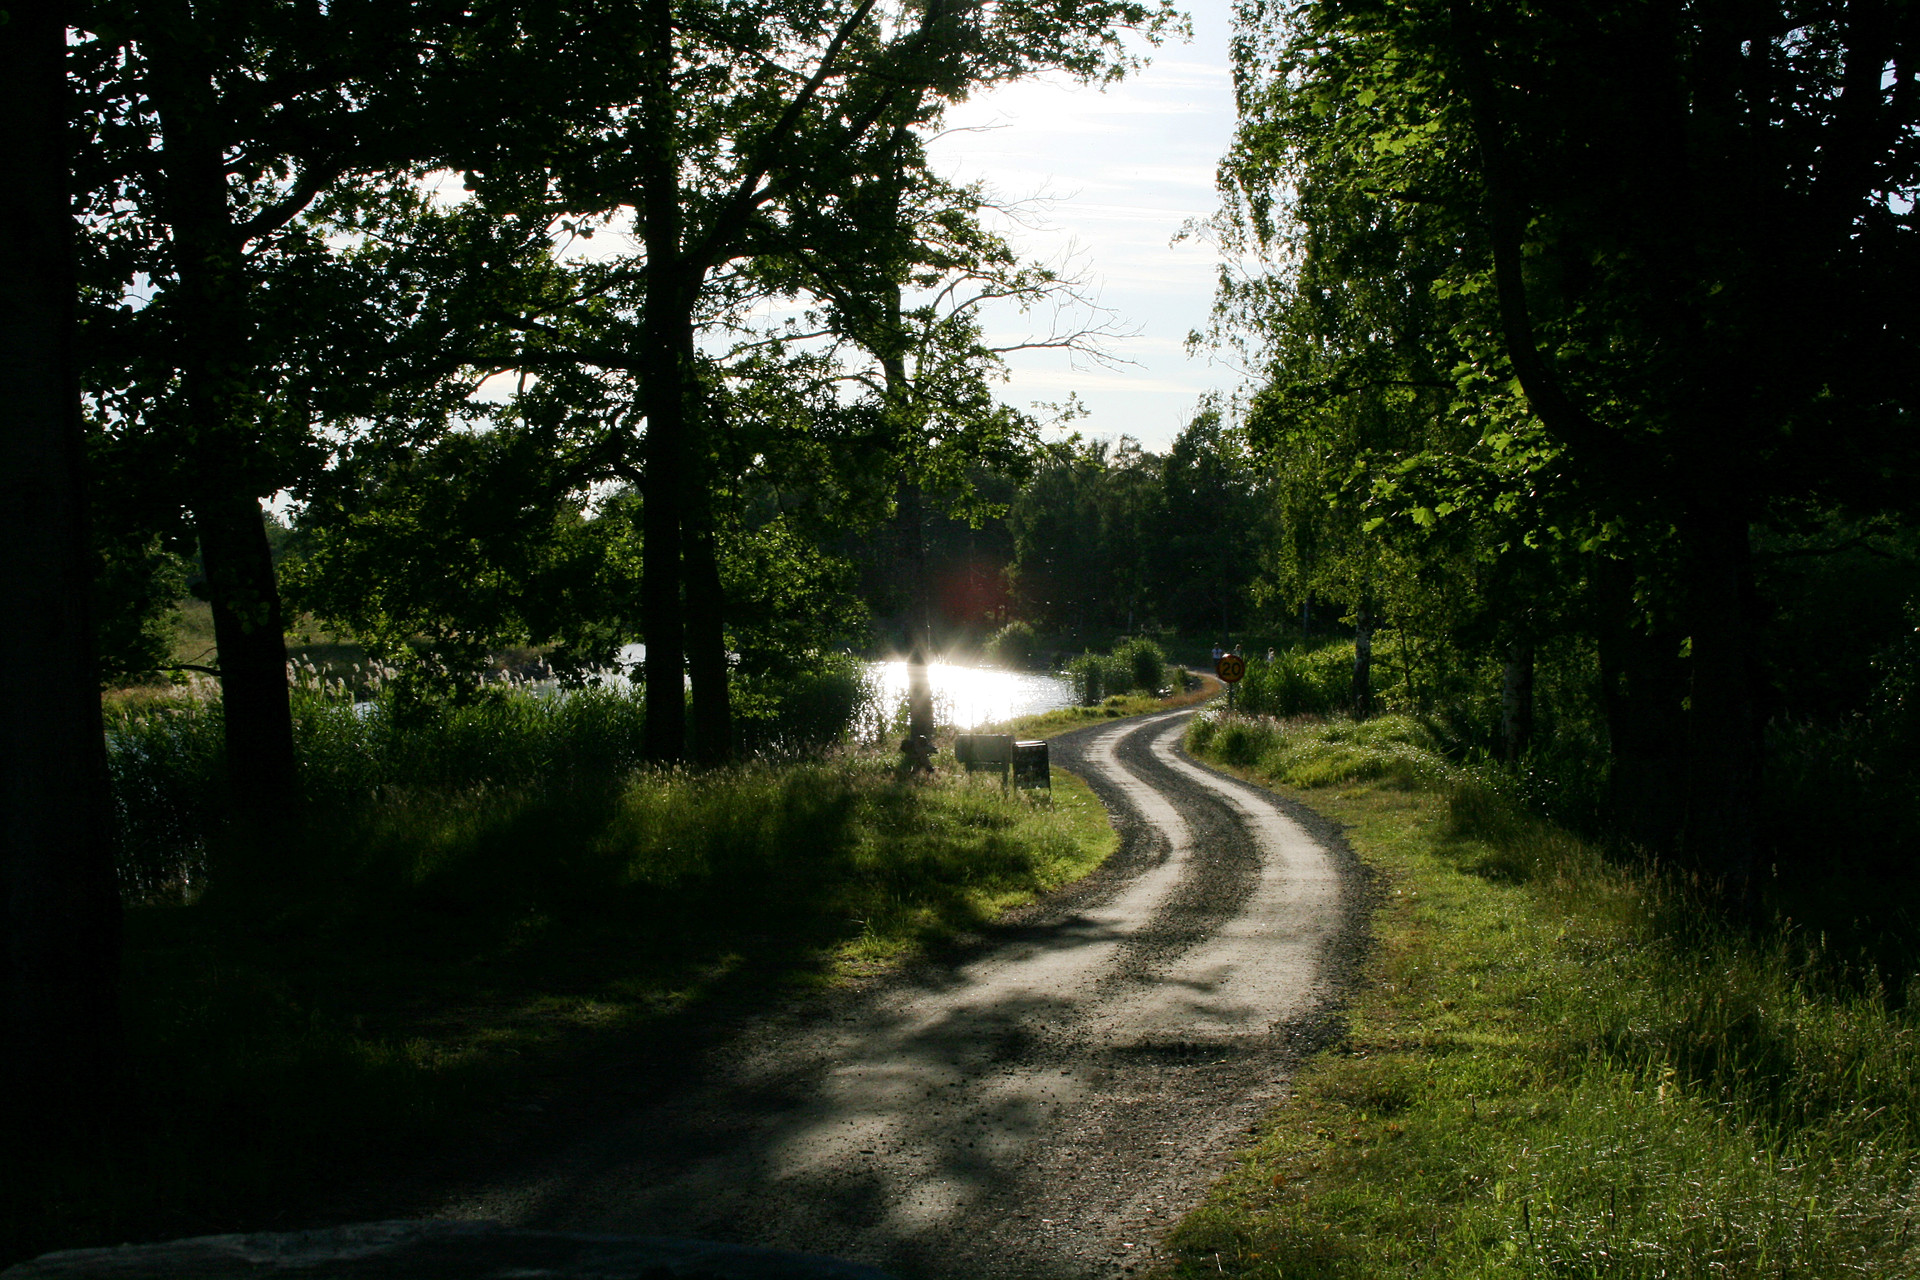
{"x": 1044, "y": 1108}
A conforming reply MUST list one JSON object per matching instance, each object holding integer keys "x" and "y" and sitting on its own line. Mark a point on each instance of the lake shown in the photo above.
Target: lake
{"x": 962, "y": 696}
{"x": 969, "y": 696}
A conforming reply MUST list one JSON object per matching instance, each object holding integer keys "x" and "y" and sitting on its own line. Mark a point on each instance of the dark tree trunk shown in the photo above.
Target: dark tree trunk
{"x": 707, "y": 645}
{"x": 1643, "y": 685}
{"x": 1363, "y": 663}
{"x": 706, "y": 605}
{"x": 59, "y": 1028}
{"x": 663, "y": 395}
{"x": 913, "y": 503}
{"x": 661, "y": 618}
{"x": 250, "y": 633}
{"x": 1723, "y": 762}
{"x": 1516, "y": 701}
{"x": 217, "y": 379}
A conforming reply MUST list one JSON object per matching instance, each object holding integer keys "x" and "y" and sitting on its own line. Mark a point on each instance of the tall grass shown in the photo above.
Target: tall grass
{"x": 167, "y": 763}
{"x": 1563, "y": 1065}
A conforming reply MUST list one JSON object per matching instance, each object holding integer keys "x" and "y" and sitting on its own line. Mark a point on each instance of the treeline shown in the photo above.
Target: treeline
{"x": 1108, "y": 535}
{"x": 1585, "y": 338}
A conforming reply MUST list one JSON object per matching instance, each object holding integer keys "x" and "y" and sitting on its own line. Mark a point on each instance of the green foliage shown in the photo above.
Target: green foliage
{"x": 1135, "y": 664}
{"x": 1094, "y": 675}
{"x": 1301, "y": 681}
{"x": 788, "y": 600}
{"x": 808, "y": 706}
{"x": 1499, "y": 429}
{"x": 166, "y": 773}
{"x": 1015, "y": 645}
{"x": 137, "y": 587}
{"x": 167, "y": 758}
{"x": 1146, "y": 665}
{"x": 372, "y": 556}
{"x": 1114, "y": 537}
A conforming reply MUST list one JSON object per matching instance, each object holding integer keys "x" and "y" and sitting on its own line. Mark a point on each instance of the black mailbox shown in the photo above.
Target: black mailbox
{"x": 1030, "y": 767}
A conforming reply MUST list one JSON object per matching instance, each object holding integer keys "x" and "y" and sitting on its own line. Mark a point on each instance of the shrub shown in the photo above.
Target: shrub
{"x": 806, "y": 709}
{"x": 1133, "y": 664}
{"x": 1298, "y": 682}
{"x": 1014, "y": 645}
{"x": 1145, "y": 662}
{"x": 1095, "y": 675}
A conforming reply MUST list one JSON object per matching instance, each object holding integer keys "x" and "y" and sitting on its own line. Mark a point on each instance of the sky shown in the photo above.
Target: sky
{"x": 1117, "y": 173}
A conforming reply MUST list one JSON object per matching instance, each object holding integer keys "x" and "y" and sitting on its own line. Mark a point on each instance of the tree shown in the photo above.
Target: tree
{"x": 212, "y": 135}
{"x": 58, "y": 1024}
{"x": 1667, "y": 248}
{"x": 752, "y": 126}
{"x": 1212, "y": 534}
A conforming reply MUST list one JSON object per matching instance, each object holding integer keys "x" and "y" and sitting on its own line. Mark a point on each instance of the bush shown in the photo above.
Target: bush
{"x": 804, "y": 710}
{"x": 1133, "y": 665}
{"x": 1094, "y": 676}
{"x": 1298, "y": 682}
{"x": 1014, "y": 645}
{"x": 1146, "y": 664}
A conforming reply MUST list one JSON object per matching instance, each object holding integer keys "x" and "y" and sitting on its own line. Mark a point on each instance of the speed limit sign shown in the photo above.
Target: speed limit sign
{"x": 1230, "y": 667}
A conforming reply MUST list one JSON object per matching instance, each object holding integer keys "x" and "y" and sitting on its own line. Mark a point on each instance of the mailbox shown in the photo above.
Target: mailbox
{"x": 1030, "y": 766}
{"x": 984, "y": 751}
{"x": 1025, "y": 762}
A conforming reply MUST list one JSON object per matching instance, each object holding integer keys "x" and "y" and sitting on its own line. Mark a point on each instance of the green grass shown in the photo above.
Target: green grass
{"x": 426, "y": 964}
{"x": 1559, "y": 1067}
{"x": 1051, "y": 724}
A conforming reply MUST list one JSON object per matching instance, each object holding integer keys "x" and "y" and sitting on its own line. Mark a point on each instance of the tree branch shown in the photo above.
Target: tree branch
{"x": 1606, "y": 449}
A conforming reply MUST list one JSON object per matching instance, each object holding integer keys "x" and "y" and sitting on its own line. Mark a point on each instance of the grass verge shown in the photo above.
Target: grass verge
{"x": 1051, "y": 724}
{"x": 437, "y": 962}
{"x": 1559, "y": 1067}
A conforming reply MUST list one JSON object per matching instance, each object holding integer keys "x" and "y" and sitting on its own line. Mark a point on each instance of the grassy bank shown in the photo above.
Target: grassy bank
{"x": 1050, "y": 724}
{"x": 1560, "y": 1067}
{"x": 433, "y": 959}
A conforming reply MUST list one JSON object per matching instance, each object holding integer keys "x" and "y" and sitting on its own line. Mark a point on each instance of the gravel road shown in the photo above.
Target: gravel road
{"x": 1043, "y": 1107}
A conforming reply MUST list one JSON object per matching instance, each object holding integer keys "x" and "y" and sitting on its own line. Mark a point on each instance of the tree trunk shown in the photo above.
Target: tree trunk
{"x": 249, "y": 632}
{"x": 1516, "y": 701}
{"x": 919, "y": 624}
{"x": 919, "y": 744}
{"x": 1363, "y": 663}
{"x": 661, "y": 618}
{"x": 217, "y": 378}
{"x": 1723, "y": 760}
{"x": 707, "y": 643}
{"x": 1642, "y": 686}
{"x": 59, "y": 1026}
{"x": 663, "y": 390}
{"x": 706, "y": 631}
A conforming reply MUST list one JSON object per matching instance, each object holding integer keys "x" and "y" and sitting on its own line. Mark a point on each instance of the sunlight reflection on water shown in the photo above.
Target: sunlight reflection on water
{"x": 962, "y": 696}
{"x": 969, "y": 696}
